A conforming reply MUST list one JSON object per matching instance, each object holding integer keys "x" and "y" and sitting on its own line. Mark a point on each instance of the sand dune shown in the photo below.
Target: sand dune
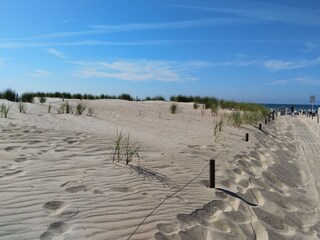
{"x": 57, "y": 179}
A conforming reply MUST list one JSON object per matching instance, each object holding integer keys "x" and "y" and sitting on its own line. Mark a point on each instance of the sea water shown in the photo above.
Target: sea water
{"x": 297, "y": 107}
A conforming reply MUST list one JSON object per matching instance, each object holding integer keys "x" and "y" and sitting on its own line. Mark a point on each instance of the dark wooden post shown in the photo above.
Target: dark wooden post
{"x": 247, "y": 137}
{"x": 212, "y": 173}
{"x": 265, "y": 121}
{"x": 260, "y": 128}
{"x": 317, "y": 118}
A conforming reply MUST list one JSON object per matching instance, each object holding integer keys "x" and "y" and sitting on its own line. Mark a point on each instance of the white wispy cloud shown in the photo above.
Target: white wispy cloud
{"x": 141, "y": 70}
{"x": 41, "y": 73}
{"x": 277, "y": 83}
{"x": 308, "y": 81}
{"x": 169, "y": 25}
{"x": 277, "y": 65}
{"x": 21, "y": 44}
{"x": 55, "y": 52}
{"x": 105, "y": 29}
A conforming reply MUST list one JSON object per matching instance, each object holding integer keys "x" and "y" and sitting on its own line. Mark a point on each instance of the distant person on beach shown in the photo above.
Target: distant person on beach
{"x": 292, "y": 109}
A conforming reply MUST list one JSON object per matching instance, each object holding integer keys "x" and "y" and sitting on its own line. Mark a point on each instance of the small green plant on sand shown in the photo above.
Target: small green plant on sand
{"x": 80, "y": 107}
{"x": 22, "y": 107}
{"x": 4, "y": 110}
{"x": 173, "y": 108}
{"x": 125, "y": 149}
{"x": 195, "y": 106}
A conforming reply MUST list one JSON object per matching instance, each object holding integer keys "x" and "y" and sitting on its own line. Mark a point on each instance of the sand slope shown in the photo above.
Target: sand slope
{"x": 57, "y": 180}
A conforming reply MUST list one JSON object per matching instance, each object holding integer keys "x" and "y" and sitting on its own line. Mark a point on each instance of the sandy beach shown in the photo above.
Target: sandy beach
{"x": 58, "y": 181}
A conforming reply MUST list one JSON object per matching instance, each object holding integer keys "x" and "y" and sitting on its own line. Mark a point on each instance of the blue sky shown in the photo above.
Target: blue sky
{"x": 256, "y": 51}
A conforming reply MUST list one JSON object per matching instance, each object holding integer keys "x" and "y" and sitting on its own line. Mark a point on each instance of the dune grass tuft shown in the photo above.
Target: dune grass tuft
{"x": 4, "y": 110}
{"x": 22, "y": 107}
{"x": 80, "y": 107}
{"x": 125, "y": 149}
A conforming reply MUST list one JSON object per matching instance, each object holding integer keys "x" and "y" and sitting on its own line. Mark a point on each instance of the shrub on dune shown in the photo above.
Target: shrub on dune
{"x": 42, "y": 99}
{"x": 173, "y": 108}
{"x": 9, "y": 94}
{"x": 28, "y": 97}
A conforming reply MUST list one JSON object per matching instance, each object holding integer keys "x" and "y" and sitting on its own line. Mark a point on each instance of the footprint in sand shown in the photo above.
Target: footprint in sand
{"x": 76, "y": 189}
{"x": 55, "y": 230}
{"x": 20, "y": 159}
{"x": 73, "y": 186}
{"x": 122, "y": 189}
{"x": 11, "y": 148}
{"x": 58, "y": 209}
{"x": 54, "y": 207}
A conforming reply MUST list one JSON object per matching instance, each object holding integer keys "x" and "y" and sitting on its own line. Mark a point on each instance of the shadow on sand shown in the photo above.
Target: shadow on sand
{"x": 237, "y": 196}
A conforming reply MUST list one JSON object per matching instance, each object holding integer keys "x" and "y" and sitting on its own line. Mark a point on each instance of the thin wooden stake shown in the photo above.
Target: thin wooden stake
{"x": 212, "y": 173}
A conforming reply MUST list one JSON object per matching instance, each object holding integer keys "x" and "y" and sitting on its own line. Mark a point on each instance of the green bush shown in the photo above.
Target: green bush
{"x": 28, "y": 97}
{"x": 125, "y": 96}
{"x": 42, "y": 99}
{"x": 173, "y": 108}
{"x": 8, "y": 94}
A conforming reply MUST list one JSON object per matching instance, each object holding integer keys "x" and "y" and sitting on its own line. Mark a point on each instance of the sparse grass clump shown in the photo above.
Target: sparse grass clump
{"x": 80, "y": 107}
{"x": 22, "y": 107}
{"x": 173, "y": 108}
{"x": 219, "y": 123}
{"x": 61, "y": 108}
{"x": 69, "y": 108}
{"x": 236, "y": 118}
{"x": 49, "y": 108}
{"x": 214, "y": 109}
{"x": 195, "y": 106}
{"x": 125, "y": 149}
{"x": 4, "y": 110}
